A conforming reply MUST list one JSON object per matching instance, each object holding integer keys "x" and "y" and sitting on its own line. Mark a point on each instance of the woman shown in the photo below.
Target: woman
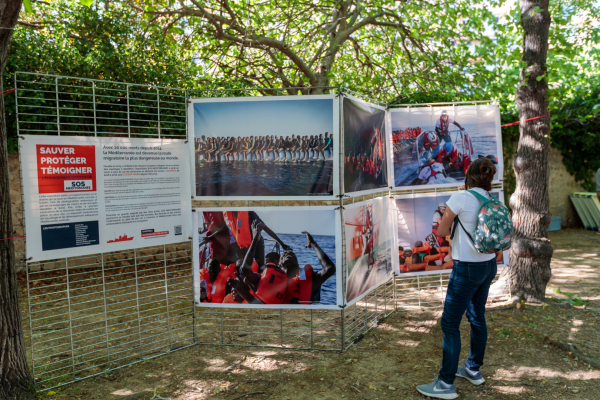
{"x": 469, "y": 284}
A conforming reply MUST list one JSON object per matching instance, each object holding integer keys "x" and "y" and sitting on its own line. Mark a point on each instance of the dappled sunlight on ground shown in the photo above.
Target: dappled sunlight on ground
{"x": 511, "y": 389}
{"x": 403, "y": 351}
{"x": 122, "y": 392}
{"x": 541, "y": 373}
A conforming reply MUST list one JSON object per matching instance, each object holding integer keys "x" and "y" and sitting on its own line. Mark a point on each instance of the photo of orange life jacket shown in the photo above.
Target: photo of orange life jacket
{"x": 240, "y": 227}
{"x": 300, "y": 287}
{"x": 272, "y": 288}
{"x": 229, "y": 300}
{"x": 216, "y": 290}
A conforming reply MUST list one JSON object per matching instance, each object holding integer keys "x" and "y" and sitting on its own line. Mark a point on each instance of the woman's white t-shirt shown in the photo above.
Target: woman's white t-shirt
{"x": 466, "y": 206}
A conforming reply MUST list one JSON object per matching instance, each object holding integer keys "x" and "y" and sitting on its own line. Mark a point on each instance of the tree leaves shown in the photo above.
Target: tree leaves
{"x": 28, "y": 7}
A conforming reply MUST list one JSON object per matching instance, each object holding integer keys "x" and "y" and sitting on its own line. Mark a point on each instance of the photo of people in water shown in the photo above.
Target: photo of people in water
{"x": 278, "y": 256}
{"x": 365, "y": 154}
{"x": 420, "y": 249}
{"x": 436, "y": 145}
{"x": 265, "y": 148}
{"x": 369, "y": 232}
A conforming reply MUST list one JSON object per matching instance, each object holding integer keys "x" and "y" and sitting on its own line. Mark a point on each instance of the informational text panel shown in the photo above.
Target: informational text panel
{"x": 87, "y": 195}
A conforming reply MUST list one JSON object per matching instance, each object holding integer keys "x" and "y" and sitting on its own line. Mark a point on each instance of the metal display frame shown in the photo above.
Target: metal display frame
{"x": 89, "y": 315}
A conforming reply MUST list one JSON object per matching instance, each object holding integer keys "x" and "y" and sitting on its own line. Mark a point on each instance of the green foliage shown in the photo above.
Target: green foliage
{"x": 27, "y": 6}
{"x": 102, "y": 41}
{"x": 402, "y": 52}
{"x": 383, "y": 48}
{"x": 577, "y": 134}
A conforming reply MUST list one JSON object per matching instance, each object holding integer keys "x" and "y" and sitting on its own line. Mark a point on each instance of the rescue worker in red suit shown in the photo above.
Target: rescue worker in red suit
{"x": 437, "y": 217}
{"x": 448, "y": 156}
{"x": 443, "y": 124}
{"x": 269, "y": 285}
{"x": 451, "y": 159}
{"x": 427, "y": 145}
{"x": 304, "y": 284}
{"x": 368, "y": 245}
{"x": 240, "y": 223}
{"x": 213, "y": 282}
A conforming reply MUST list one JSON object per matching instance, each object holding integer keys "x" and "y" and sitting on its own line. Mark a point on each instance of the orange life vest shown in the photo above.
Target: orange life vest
{"x": 300, "y": 287}
{"x": 240, "y": 227}
{"x": 255, "y": 267}
{"x": 272, "y": 288}
{"x": 216, "y": 291}
{"x": 229, "y": 299}
{"x": 444, "y": 249}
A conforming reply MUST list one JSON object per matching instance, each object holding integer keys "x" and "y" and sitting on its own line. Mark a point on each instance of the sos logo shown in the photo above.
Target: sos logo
{"x": 71, "y": 186}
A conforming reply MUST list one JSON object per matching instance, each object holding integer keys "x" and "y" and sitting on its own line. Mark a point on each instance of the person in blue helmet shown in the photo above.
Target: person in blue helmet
{"x": 448, "y": 155}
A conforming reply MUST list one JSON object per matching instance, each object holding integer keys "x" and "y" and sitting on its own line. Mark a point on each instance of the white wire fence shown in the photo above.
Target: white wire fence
{"x": 86, "y": 316}
{"x": 70, "y": 106}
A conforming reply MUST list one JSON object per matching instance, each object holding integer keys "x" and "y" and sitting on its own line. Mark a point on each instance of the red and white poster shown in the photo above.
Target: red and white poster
{"x": 63, "y": 169}
{"x": 87, "y": 195}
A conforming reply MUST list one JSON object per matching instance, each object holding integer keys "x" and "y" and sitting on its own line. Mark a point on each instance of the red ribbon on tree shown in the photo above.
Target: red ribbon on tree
{"x": 525, "y": 120}
{"x": 14, "y": 237}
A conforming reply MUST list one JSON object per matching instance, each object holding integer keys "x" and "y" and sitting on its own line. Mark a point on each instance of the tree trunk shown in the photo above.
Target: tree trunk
{"x": 529, "y": 270}
{"x": 15, "y": 379}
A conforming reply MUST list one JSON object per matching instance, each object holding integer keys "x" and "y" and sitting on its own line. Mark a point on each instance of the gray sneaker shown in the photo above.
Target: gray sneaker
{"x": 474, "y": 377}
{"x": 438, "y": 389}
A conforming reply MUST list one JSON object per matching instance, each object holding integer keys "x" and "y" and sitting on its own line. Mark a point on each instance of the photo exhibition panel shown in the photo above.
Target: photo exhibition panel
{"x": 420, "y": 249}
{"x": 365, "y": 147}
{"x": 268, "y": 257}
{"x": 369, "y": 229}
{"x": 276, "y": 148}
{"x": 434, "y": 146}
{"x": 87, "y": 195}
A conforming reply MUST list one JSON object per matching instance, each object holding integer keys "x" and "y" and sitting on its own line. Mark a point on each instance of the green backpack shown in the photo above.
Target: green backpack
{"x": 494, "y": 226}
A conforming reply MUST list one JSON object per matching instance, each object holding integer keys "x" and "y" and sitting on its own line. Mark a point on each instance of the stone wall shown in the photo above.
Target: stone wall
{"x": 17, "y": 209}
{"x": 562, "y": 183}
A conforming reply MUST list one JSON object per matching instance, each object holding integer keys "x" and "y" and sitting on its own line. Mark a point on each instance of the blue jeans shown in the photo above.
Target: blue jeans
{"x": 468, "y": 289}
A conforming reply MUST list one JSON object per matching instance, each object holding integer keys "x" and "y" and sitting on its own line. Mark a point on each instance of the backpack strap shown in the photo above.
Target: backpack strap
{"x": 456, "y": 222}
{"x": 478, "y": 196}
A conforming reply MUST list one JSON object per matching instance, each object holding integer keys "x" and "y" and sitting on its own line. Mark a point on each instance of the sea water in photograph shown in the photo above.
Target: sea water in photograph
{"x": 308, "y": 256}
{"x": 273, "y": 148}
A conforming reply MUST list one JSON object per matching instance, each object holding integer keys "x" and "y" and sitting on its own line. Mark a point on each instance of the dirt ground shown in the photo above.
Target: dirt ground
{"x": 400, "y": 353}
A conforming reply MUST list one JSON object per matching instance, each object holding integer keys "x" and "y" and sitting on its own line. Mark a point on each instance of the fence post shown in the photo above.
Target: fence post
{"x": 105, "y": 312}
{"x": 57, "y": 106}
{"x": 17, "y": 110}
{"x": 30, "y": 324}
{"x": 70, "y": 318}
{"x": 167, "y": 294}
{"x": 158, "y": 110}
{"x": 137, "y": 302}
{"x": 94, "y": 101}
{"x": 128, "y": 119}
